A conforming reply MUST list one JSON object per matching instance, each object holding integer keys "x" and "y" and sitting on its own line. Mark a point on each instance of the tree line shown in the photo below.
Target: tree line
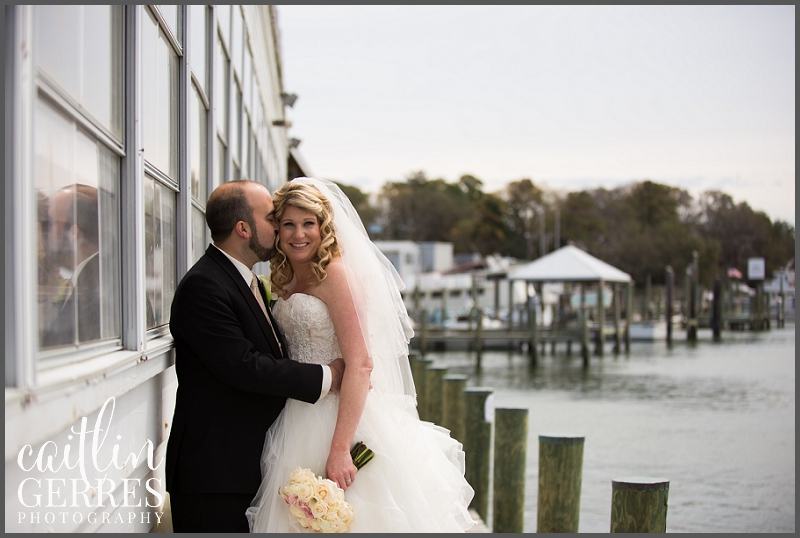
{"x": 639, "y": 228}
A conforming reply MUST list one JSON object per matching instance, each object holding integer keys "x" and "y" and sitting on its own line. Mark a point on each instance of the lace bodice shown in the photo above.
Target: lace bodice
{"x": 307, "y": 325}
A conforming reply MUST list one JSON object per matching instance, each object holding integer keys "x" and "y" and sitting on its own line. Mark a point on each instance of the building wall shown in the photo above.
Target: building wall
{"x": 436, "y": 256}
{"x": 404, "y": 255}
{"x": 147, "y": 109}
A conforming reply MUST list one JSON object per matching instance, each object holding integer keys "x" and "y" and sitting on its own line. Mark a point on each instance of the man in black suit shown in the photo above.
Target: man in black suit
{"x": 233, "y": 374}
{"x": 72, "y": 243}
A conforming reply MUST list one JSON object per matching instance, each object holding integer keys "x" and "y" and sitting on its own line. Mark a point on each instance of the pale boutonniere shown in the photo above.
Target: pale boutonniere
{"x": 265, "y": 283}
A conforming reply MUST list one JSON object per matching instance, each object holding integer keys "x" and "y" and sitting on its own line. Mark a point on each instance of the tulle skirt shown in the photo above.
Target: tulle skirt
{"x": 415, "y": 482}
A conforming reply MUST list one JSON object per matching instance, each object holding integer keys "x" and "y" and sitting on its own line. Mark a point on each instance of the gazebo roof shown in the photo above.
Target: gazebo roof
{"x": 568, "y": 264}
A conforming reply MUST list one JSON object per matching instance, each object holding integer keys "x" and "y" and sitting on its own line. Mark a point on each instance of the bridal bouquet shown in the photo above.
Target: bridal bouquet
{"x": 317, "y": 503}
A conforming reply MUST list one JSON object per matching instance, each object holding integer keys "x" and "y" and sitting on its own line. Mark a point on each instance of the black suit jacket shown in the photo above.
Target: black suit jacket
{"x": 232, "y": 381}
{"x": 85, "y": 298}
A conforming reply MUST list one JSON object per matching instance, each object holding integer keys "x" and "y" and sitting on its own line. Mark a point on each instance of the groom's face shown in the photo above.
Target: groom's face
{"x": 262, "y": 238}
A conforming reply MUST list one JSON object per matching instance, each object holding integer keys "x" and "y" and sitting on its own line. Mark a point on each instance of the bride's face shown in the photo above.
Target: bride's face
{"x": 299, "y": 234}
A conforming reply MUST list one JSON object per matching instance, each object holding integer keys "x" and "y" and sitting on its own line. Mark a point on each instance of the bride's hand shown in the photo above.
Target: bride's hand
{"x": 340, "y": 469}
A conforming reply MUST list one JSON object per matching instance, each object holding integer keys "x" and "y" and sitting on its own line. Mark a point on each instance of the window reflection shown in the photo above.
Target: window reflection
{"x": 77, "y": 183}
{"x": 198, "y": 234}
{"x": 160, "y": 257}
{"x": 199, "y": 147}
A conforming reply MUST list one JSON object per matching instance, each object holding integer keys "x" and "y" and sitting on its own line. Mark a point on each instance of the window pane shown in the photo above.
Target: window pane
{"x": 236, "y": 39}
{"x": 80, "y": 48}
{"x": 171, "y": 14}
{"x": 160, "y": 256}
{"x": 246, "y": 147}
{"x": 198, "y": 234}
{"x": 199, "y": 43}
{"x": 224, "y": 22}
{"x": 160, "y": 98}
{"x": 220, "y": 158}
{"x": 199, "y": 147}
{"x": 77, "y": 183}
{"x": 221, "y": 90}
{"x": 247, "y": 79}
{"x": 236, "y": 123}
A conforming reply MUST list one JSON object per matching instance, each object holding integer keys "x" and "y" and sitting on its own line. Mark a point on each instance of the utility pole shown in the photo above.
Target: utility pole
{"x": 542, "y": 241}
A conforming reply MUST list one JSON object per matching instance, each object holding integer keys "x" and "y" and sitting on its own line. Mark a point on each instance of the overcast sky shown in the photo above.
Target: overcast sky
{"x": 700, "y": 97}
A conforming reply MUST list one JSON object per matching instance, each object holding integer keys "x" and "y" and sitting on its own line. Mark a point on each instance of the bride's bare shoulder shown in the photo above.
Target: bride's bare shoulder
{"x": 335, "y": 282}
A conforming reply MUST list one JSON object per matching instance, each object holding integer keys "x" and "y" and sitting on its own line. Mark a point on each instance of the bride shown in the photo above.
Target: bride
{"x": 338, "y": 296}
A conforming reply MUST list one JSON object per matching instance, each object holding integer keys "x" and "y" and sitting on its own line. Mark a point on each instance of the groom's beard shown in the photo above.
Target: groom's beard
{"x": 263, "y": 253}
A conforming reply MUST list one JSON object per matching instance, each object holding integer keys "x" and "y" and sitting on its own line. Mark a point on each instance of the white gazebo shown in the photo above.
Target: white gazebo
{"x": 571, "y": 264}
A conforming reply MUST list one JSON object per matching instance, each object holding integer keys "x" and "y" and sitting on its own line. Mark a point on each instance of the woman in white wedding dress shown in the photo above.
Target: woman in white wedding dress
{"x": 338, "y": 296}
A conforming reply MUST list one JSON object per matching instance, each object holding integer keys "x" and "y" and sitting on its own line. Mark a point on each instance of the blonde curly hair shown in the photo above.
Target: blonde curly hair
{"x": 308, "y": 198}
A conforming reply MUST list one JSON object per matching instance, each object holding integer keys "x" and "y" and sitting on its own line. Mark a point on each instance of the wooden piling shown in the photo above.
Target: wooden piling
{"x": 477, "y": 446}
{"x": 453, "y": 405}
{"x": 444, "y": 306}
{"x": 782, "y": 306}
{"x": 628, "y": 314}
{"x": 617, "y": 335}
{"x": 560, "y": 476}
{"x": 534, "y": 328}
{"x": 648, "y": 287}
{"x": 479, "y": 338}
{"x": 716, "y": 310}
{"x": 510, "y": 450}
{"x": 692, "y": 324}
{"x": 423, "y": 339}
{"x": 670, "y": 282}
{"x": 584, "y": 327}
{"x": 639, "y": 504}
{"x": 419, "y": 369}
{"x": 601, "y": 321}
{"x": 434, "y": 392}
{"x": 510, "y": 305}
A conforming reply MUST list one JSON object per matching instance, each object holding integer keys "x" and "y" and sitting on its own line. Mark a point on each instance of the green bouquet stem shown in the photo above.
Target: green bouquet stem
{"x": 361, "y": 455}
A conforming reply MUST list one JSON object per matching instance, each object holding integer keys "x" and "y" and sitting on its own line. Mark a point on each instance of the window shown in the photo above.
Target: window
{"x": 159, "y": 98}
{"x": 77, "y": 185}
{"x": 172, "y": 16}
{"x": 199, "y": 44}
{"x": 77, "y": 134}
{"x": 79, "y": 51}
{"x": 160, "y": 101}
{"x": 198, "y": 128}
{"x": 221, "y": 100}
{"x": 160, "y": 257}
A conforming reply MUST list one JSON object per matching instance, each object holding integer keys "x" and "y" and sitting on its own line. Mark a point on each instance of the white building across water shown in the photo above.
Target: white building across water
{"x": 120, "y": 120}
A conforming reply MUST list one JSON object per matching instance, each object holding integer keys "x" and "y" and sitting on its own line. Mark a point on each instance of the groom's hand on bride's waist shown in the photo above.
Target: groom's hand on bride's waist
{"x": 337, "y": 371}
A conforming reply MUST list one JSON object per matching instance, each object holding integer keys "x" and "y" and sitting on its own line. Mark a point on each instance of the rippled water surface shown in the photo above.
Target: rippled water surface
{"x": 716, "y": 419}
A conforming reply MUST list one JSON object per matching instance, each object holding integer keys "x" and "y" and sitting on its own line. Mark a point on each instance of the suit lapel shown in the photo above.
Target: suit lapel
{"x": 278, "y": 331}
{"x": 214, "y": 253}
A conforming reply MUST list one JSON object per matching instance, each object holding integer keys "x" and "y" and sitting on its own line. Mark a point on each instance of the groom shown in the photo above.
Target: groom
{"x": 233, "y": 374}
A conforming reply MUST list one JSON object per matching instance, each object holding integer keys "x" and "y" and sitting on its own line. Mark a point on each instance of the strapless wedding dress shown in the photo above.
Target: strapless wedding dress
{"x": 415, "y": 482}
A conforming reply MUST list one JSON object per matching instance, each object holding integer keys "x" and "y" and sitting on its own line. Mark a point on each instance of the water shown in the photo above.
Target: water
{"x": 716, "y": 419}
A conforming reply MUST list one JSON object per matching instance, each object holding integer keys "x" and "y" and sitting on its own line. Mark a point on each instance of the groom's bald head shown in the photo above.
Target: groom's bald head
{"x": 229, "y": 204}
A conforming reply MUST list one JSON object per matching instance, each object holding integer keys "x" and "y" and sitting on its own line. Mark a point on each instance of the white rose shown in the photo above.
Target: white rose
{"x": 305, "y": 492}
{"x": 326, "y": 489}
{"x": 346, "y": 513}
{"x": 318, "y": 508}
